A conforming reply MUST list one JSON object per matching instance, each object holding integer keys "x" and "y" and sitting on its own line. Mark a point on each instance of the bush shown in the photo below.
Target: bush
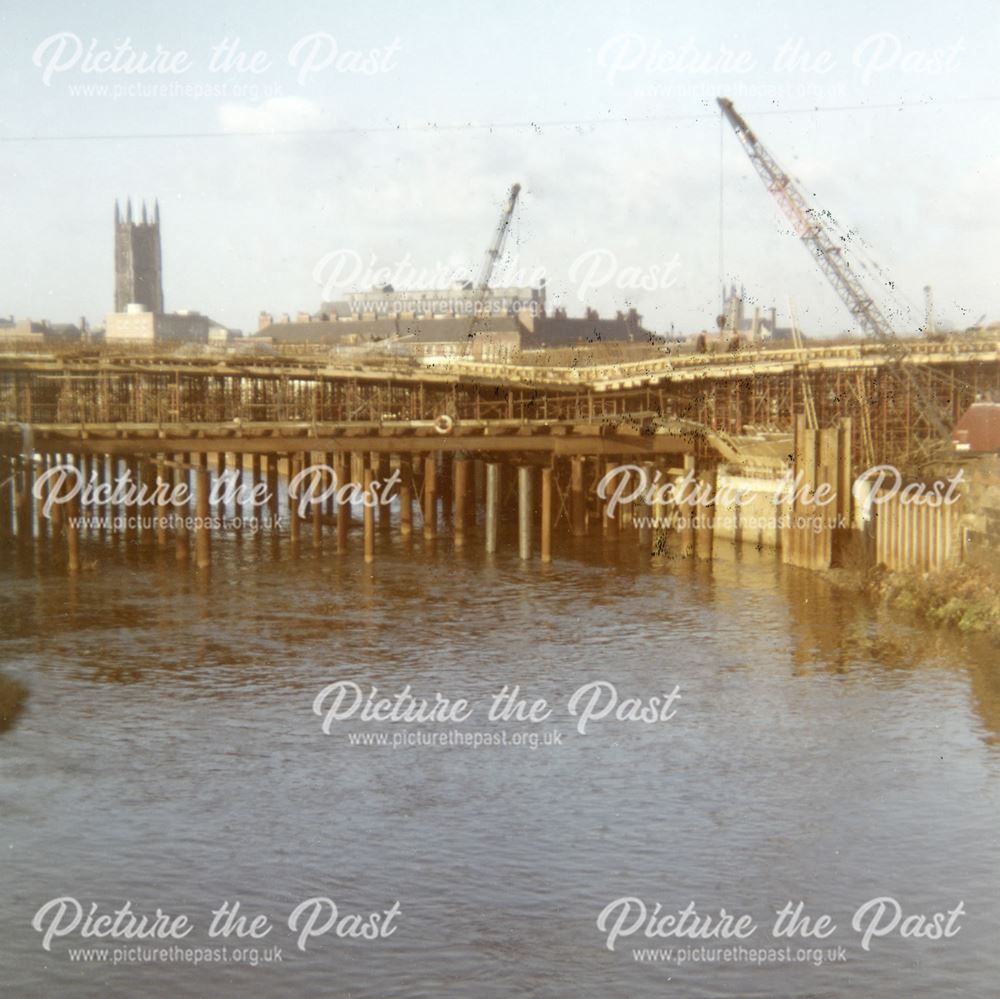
{"x": 965, "y": 597}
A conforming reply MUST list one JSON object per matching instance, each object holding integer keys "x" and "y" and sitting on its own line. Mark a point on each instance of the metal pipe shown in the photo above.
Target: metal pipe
{"x": 524, "y": 511}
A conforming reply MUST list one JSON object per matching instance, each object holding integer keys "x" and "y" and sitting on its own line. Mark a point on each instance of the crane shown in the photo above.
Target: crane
{"x": 482, "y": 287}
{"x": 833, "y": 262}
{"x": 930, "y": 325}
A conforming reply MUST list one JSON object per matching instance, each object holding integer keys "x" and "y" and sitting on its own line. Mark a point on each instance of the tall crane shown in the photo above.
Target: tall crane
{"x": 930, "y": 324}
{"x": 482, "y": 287}
{"x": 833, "y": 262}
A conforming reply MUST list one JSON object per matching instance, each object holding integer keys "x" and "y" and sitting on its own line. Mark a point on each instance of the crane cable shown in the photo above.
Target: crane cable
{"x": 722, "y": 145}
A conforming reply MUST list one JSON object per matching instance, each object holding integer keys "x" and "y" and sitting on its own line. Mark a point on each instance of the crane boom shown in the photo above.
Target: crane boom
{"x": 832, "y": 261}
{"x": 496, "y": 247}
{"x": 482, "y": 288}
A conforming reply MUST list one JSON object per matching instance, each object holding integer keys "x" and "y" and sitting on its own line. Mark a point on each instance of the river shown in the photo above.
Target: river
{"x": 168, "y": 754}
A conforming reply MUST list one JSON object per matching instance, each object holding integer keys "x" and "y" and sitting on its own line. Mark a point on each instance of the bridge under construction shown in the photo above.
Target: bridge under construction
{"x": 457, "y": 432}
{"x": 821, "y": 411}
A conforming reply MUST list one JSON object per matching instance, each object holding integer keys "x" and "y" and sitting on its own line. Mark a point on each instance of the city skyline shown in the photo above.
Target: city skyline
{"x": 399, "y": 149}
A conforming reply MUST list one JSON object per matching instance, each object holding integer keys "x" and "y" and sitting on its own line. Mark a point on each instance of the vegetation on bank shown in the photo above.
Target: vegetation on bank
{"x": 965, "y": 597}
{"x": 13, "y": 695}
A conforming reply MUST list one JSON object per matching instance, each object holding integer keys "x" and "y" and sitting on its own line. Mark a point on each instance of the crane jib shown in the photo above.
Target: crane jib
{"x": 834, "y": 262}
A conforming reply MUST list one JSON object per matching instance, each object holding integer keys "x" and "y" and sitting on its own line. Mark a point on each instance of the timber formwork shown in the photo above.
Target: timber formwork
{"x": 730, "y": 394}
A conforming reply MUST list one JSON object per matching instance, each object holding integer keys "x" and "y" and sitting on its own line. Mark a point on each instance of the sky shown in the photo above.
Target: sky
{"x": 298, "y": 150}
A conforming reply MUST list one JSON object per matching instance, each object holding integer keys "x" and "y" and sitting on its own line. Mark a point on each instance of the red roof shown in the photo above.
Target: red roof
{"x": 979, "y": 428}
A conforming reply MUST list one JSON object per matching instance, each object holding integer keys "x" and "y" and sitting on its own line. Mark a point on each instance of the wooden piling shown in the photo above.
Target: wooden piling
{"x": 644, "y": 510}
{"x": 132, "y": 508}
{"x": 492, "y": 505}
{"x": 546, "y": 533}
{"x": 6, "y": 492}
{"x": 577, "y": 505}
{"x": 659, "y": 511}
{"x": 342, "y": 509}
{"x": 626, "y": 506}
{"x": 825, "y": 515}
{"x": 470, "y": 497}
{"x": 384, "y": 510}
{"x": 369, "y": 513}
{"x": 271, "y": 470}
{"x": 180, "y": 511}
{"x": 239, "y": 509}
{"x": 39, "y": 501}
{"x": 219, "y": 505}
{"x": 610, "y": 523}
{"x": 294, "y": 466}
{"x": 146, "y": 512}
{"x": 162, "y": 508}
{"x": 478, "y": 485}
{"x": 57, "y": 514}
{"x": 317, "y": 507}
{"x": 705, "y": 514}
{"x": 430, "y": 499}
{"x": 202, "y": 533}
{"x": 686, "y": 512}
{"x": 405, "y": 495}
{"x": 73, "y": 534}
{"x": 461, "y": 468}
{"x": 445, "y": 487}
{"x": 25, "y": 507}
{"x": 111, "y": 478}
{"x": 255, "y": 480}
{"x": 330, "y": 503}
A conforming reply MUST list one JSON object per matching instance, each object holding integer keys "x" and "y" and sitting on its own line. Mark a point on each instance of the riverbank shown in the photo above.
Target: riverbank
{"x": 965, "y": 597}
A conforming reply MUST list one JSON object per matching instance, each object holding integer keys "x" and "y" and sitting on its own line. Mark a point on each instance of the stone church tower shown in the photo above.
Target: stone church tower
{"x": 138, "y": 267}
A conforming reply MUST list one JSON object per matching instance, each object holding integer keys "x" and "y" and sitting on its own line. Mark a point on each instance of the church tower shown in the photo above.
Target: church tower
{"x": 138, "y": 267}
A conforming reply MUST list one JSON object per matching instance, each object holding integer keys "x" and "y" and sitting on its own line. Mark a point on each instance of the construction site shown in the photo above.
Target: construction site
{"x": 490, "y": 413}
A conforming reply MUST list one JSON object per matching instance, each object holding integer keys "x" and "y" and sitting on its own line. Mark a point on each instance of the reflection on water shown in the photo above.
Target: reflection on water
{"x": 13, "y": 696}
{"x": 169, "y": 755}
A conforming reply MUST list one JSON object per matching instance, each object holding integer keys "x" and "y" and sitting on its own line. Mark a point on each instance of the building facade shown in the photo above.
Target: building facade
{"x": 138, "y": 325}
